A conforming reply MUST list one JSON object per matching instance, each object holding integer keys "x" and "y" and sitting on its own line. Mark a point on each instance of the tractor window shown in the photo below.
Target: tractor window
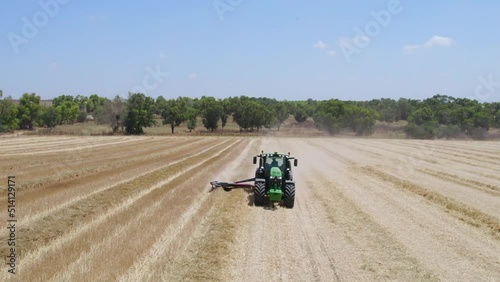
{"x": 274, "y": 161}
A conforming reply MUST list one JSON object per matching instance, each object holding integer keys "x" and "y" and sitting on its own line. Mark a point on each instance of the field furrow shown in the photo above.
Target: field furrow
{"x": 77, "y": 226}
{"x": 139, "y": 208}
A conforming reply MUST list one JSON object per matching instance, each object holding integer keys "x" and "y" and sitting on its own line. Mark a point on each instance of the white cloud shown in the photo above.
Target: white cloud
{"x": 410, "y": 49}
{"x": 321, "y": 45}
{"x": 435, "y": 41}
{"x": 53, "y": 65}
{"x": 193, "y": 75}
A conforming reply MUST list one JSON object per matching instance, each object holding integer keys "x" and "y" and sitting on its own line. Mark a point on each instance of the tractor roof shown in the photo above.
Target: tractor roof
{"x": 276, "y": 154}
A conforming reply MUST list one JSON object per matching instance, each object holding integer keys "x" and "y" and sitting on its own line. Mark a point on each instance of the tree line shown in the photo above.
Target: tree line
{"x": 437, "y": 117}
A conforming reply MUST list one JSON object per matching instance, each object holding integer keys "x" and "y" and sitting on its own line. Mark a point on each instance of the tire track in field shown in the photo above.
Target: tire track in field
{"x": 453, "y": 157}
{"x": 333, "y": 154}
{"x": 324, "y": 264}
{"x": 63, "y": 218}
{"x": 158, "y": 254}
{"x": 451, "y": 249}
{"x": 75, "y": 188}
{"x": 57, "y": 143}
{"x": 319, "y": 239}
{"x": 117, "y": 176}
{"x": 184, "y": 215}
{"x": 383, "y": 256}
{"x": 177, "y": 170}
{"x": 447, "y": 247}
{"x": 64, "y": 171}
{"x": 463, "y": 212}
{"x": 374, "y": 253}
{"x": 495, "y": 177}
{"x": 417, "y": 157}
{"x": 29, "y": 141}
{"x": 461, "y": 194}
{"x": 80, "y": 158}
{"x": 484, "y": 187}
{"x": 489, "y": 154}
{"x": 72, "y": 149}
{"x": 279, "y": 244}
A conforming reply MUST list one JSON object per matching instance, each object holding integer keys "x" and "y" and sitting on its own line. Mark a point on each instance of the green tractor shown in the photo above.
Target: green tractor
{"x": 273, "y": 180}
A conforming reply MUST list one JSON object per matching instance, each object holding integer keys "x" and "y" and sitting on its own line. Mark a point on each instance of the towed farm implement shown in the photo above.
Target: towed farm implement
{"x": 273, "y": 181}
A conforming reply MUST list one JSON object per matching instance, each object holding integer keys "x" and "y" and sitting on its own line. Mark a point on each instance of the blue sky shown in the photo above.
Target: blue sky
{"x": 350, "y": 50}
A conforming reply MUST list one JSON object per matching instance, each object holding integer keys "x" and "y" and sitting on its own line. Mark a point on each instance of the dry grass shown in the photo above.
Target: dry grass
{"x": 118, "y": 205}
{"x": 210, "y": 250}
{"x": 384, "y": 257}
{"x": 79, "y": 129}
{"x": 463, "y": 212}
{"x": 489, "y": 188}
{"x": 143, "y": 202}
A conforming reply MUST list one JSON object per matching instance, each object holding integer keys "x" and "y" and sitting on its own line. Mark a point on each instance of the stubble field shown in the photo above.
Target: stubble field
{"x": 139, "y": 209}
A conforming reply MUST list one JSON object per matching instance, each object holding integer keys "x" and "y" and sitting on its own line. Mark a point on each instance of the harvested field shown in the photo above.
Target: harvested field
{"x": 139, "y": 209}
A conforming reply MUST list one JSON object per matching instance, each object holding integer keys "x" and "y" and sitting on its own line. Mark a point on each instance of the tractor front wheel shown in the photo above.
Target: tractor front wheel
{"x": 289, "y": 196}
{"x": 259, "y": 192}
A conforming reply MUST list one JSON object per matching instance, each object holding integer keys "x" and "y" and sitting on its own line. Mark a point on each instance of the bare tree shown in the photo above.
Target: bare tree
{"x": 110, "y": 113}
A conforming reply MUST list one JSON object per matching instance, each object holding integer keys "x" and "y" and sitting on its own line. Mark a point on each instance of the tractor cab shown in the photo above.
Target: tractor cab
{"x": 273, "y": 178}
{"x": 274, "y": 165}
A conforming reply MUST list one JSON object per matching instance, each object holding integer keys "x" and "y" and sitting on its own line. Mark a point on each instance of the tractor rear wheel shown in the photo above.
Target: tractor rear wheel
{"x": 289, "y": 195}
{"x": 259, "y": 192}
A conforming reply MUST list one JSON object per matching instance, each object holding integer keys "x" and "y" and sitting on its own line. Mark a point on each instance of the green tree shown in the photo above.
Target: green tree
{"x": 261, "y": 116}
{"x": 300, "y": 114}
{"x": 174, "y": 113}
{"x": 140, "y": 113}
{"x": 28, "y": 110}
{"x": 387, "y": 109}
{"x": 426, "y": 130}
{"x": 160, "y": 104}
{"x": 8, "y": 114}
{"x": 421, "y": 116}
{"x": 250, "y": 113}
{"x": 68, "y": 112}
{"x": 210, "y": 110}
{"x": 422, "y": 123}
{"x": 82, "y": 116}
{"x": 61, "y": 99}
{"x": 49, "y": 116}
{"x": 191, "y": 119}
{"x": 328, "y": 115}
{"x": 497, "y": 118}
{"x": 225, "y": 112}
{"x": 360, "y": 120}
{"x": 241, "y": 108}
{"x": 94, "y": 102}
{"x": 82, "y": 102}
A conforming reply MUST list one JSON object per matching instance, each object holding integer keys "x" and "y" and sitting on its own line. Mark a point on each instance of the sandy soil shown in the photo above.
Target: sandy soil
{"x": 141, "y": 209}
